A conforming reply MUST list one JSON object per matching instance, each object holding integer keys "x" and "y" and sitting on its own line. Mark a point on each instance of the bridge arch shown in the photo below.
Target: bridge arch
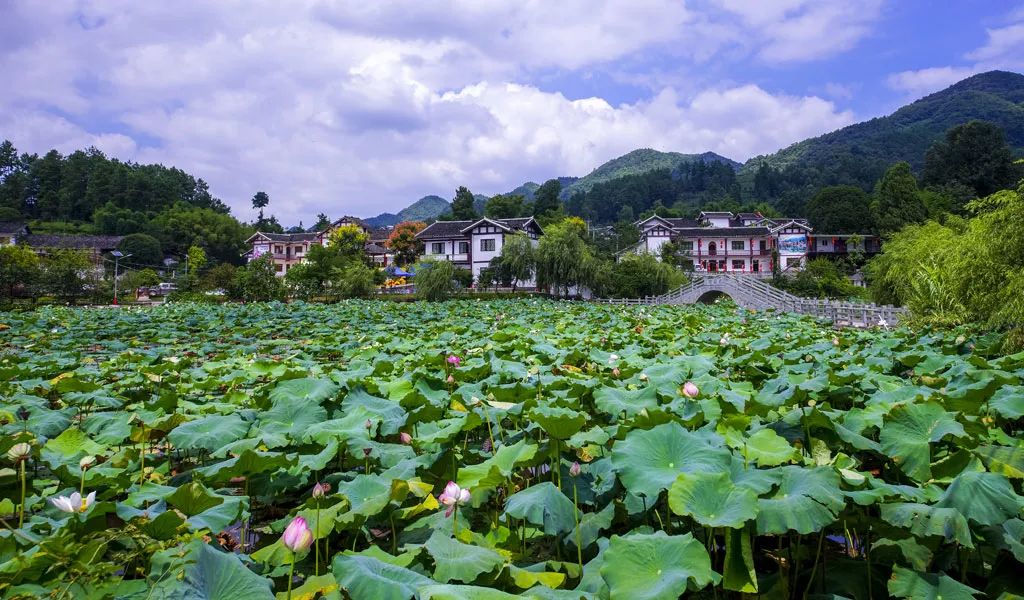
{"x": 712, "y": 296}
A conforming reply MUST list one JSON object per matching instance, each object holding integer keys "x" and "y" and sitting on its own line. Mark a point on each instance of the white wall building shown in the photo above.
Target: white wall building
{"x": 472, "y": 244}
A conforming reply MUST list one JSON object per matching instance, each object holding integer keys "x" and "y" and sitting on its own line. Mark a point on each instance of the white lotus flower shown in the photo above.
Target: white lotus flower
{"x": 74, "y": 503}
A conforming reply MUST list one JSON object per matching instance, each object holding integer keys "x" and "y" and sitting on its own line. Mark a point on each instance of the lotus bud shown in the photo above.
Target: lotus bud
{"x": 368, "y": 424}
{"x": 405, "y": 438}
{"x": 812, "y": 403}
{"x": 612, "y": 358}
{"x": 297, "y": 536}
{"x": 19, "y": 452}
{"x": 450, "y": 380}
{"x": 367, "y": 451}
{"x": 23, "y": 413}
{"x": 86, "y": 462}
{"x": 320, "y": 489}
{"x": 574, "y": 470}
{"x": 615, "y": 372}
{"x": 723, "y": 342}
{"x": 643, "y": 377}
{"x": 835, "y": 341}
{"x": 690, "y": 389}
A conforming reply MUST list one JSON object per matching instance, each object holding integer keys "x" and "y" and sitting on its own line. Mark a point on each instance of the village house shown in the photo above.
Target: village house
{"x": 746, "y": 242}
{"x": 285, "y": 250}
{"x": 472, "y": 244}
{"x": 95, "y": 247}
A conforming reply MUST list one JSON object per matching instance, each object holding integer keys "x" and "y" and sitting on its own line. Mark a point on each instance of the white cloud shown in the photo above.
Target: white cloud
{"x": 354, "y": 107}
{"x": 1004, "y": 49}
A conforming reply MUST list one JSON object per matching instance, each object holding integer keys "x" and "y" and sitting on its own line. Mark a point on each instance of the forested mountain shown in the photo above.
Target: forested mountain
{"x": 859, "y": 154}
{"x": 637, "y": 162}
{"x": 427, "y": 207}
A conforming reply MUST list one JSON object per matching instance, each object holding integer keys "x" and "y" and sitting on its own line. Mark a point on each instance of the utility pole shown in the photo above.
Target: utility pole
{"x": 118, "y": 255}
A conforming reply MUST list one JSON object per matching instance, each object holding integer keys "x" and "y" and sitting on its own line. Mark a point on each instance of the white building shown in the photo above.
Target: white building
{"x": 744, "y": 242}
{"x": 289, "y": 249}
{"x": 472, "y": 244}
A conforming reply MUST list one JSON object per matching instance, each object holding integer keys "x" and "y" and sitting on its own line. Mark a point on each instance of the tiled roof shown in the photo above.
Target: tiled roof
{"x": 291, "y": 237}
{"x": 80, "y": 242}
{"x": 722, "y": 231}
{"x": 11, "y": 226}
{"x": 681, "y": 223}
{"x": 716, "y": 214}
{"x": 444, "y": 229}
{"x": 376, "y": 249}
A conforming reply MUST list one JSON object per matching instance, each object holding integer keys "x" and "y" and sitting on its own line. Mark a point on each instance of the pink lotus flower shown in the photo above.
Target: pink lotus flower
{"x": 405, "y": 438}
{"x": 74, "y": 503}
{"x": 452, "y": 497}
{"x": 454, "y": 360}
{"x": 574, "y": 470}
{"x": 321, "y": 489}
{"x": 690, "y": 389}
{"x": 297, "y": 536}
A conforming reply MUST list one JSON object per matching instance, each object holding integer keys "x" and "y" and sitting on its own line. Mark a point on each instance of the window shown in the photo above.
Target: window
{"x": 463, "y": 247}
{"x": 738, "y": 265}
{"x": 686, "y": 246}
{"x": 487, "y": 245}
{"x": 824, "y": 242}
{"x": 793, "y": 261}
{"x": 298, "y": 250}
{"x": 279, "y": 268}
{"x": 278, "y": 249}
{"x": 764, "y": 245}
{"x": 437, "y": 248}
{"x": 736, "y": 245}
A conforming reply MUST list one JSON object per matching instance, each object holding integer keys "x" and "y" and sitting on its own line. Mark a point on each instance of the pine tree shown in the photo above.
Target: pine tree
{"x": 546, "y": 200}
{"x": 462, "y": 206}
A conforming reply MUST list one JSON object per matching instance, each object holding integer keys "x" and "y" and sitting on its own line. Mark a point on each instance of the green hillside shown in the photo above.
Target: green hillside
{"x": 643, "y": 160}
{"x": 427, "y": 207}
{"x": 860, "y": 153}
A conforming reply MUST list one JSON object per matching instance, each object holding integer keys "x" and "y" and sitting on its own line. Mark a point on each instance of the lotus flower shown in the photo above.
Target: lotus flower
{"x": 74, "y": 503}
{"x": 454, "y": 360}
{"x": 453, "y": 496}
{"x": 405, "y": 438}
{"x": 19, "y": 452}
{"x": 612, "y": 358}
{"x": 690, "y": 389}
{"x": 574, "y": 470}
{"x": 321, "y": 489}
{"x": 297, "y": 536}
{"x": 86, "y": 462}
{"x": 616, "y": 372}
{"x": 643, "y": 377}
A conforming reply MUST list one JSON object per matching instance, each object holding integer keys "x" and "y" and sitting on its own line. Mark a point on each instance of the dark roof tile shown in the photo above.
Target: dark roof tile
{"x": 80, "y": 242}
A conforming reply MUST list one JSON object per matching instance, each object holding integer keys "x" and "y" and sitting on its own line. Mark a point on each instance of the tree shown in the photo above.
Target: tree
{"x": 218, "y": 277}
{"x": 19, "y": 268}
{"x": 975, "y": 155}
{"x": 145, "y": 250}
{"x": 8, "y": 214}
{"x": 508, "y": 206}
{"x": 260, "y": 200}
{"x": 840, "y": 209}
{"x": 350, "y": 241}
{"x": 133, "y": 280}
{"x": 517, "y": 254}
{"x": 184, "y": 225}
{"x": 897, "y": 201}
{"x": 562, "y": 256}
{"x": 462, "y": 205}
{"x": 638, "y": 275}
{"x": 322, "y": 222}
{"x": 257, "y": 282}
{"x": 67, "y": 273}
{"x": 545, "y": 199}
{"x": 435, "y": 280}
{"x": 403, "y": 242}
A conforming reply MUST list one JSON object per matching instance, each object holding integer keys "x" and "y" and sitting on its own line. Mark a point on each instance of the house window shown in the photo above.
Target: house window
{"x": 463, "y": 247}
{"x": 298, "y": 250}
{"x": 437, "y": 248}
{"x": 736, "y": 245}
{"x": 278, "y": 249}
{"x": 279, "y": 267}
{"x": 764, "y": 245}
{"x": 738, "y": 265}
{"x": 487, "y": 245}
{"x": 824, "y": 242}
{"x": 686, "y": 246}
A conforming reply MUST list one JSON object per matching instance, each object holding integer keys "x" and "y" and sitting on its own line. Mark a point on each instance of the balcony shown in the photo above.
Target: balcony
{"x": 455, "y": 258}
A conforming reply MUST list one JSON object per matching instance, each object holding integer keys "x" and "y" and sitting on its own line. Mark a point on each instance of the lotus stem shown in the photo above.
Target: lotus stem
{"x": 814, "y": 569}
{"x": 487, "y": 419}
{"x": 576, "y": 517}
{"x": 245, "y": 521}
{"x": 394, "y": 533}
{"x": 455, "y": 521}
{"x": 291, "y": 575}
{"x": 316, "y": 542}
{"x": 21, "y": 512}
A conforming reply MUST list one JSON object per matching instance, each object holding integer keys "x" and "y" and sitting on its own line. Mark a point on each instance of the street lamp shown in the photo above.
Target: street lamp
{"x": 118, "y": 255}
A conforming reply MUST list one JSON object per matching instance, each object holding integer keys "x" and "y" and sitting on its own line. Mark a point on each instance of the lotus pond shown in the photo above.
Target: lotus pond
{"x": 527, "y": 448}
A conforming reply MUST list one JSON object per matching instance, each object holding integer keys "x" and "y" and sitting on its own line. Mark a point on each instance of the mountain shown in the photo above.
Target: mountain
{"x": 638, "y": 162}
{"x": 527, "y": 190}
{"x": 427, "y": 207}
{"x": 863, "y": 151}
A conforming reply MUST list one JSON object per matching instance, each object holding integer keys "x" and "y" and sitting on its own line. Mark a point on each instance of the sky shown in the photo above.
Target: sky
{"x": 361, "y": 107}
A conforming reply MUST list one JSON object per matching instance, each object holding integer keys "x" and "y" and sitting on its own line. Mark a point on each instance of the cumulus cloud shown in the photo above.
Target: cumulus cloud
{"x": 1003, "y": 49}
{"x": 346, "y": 107}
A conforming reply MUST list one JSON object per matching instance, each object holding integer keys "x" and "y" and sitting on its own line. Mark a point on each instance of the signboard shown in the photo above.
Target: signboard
{"x": 259, "y": 250}
{"x": 793, "y": 244}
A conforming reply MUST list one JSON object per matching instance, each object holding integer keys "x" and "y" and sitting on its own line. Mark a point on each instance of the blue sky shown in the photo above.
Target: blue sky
{"x": 357, "y": 108}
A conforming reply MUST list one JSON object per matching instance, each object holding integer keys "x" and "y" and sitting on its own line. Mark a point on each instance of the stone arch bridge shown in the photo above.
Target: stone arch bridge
{"x": 750, "y": 292}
